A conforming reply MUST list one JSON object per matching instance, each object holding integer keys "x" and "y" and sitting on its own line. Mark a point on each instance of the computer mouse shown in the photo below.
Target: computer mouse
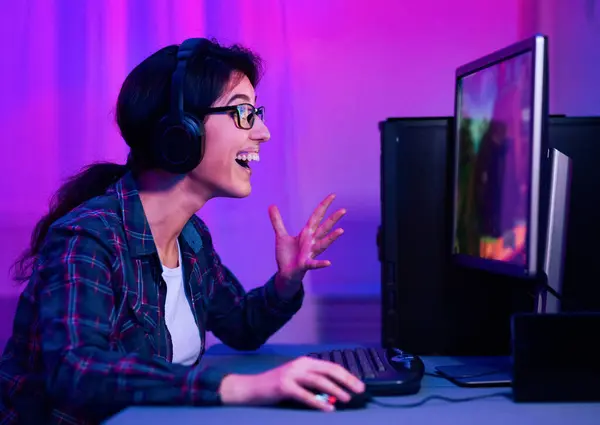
{"x": 357, "y": 401}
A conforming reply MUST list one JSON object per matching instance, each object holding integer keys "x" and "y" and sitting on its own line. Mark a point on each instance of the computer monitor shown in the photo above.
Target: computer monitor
{"x": 501, "y": 109}
{"x": 549, "y": 293}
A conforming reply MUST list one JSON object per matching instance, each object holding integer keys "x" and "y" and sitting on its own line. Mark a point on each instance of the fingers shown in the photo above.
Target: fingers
{"x": 319, "y": 247}
{"x": 323, "y": 377}
{"x": 319, "y": 213}
{"x": 326, "y": 227}
{"x": 324, "y": 243}
{"x": 298, "y": 393}
{"x": 339, "y": 374}
{"x": 277, "y": 221}
{"x": 323, "y": 384}
{"x": 300, "y": 379}
{"x": 317, "y": 264}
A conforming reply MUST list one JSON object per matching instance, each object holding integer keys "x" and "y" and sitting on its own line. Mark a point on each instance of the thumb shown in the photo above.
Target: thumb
{"x": 276, "y": 221}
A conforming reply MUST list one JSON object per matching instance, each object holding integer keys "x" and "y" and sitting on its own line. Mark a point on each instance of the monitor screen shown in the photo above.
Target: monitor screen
{"x": 494, "y": 131}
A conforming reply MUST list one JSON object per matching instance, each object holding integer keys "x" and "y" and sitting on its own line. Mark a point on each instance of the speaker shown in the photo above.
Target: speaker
{"x": 555, "y": 357}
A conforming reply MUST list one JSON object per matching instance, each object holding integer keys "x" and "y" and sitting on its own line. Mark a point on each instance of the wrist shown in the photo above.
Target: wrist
{"x": 232, "y": 389}
{"x": 287, "y": 286}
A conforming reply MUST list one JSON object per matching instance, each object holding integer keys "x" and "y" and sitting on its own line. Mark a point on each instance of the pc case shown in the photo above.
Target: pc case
{"x": 413, "y": 235}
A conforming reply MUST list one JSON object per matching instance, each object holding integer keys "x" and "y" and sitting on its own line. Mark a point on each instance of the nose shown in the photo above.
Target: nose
{"x": 259, "y": 131}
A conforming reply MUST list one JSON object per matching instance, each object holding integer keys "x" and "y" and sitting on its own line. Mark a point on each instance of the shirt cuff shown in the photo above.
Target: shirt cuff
{"x": 275, "y": 302}
{"x": 205, "y": 382}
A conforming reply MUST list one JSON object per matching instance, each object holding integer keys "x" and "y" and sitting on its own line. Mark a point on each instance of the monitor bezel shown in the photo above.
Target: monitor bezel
{"x": 537, "y": 45}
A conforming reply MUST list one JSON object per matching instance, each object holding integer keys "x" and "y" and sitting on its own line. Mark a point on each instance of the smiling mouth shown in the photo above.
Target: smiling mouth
{"x": 243, "y": 159}
{"x": 242, "y": 163}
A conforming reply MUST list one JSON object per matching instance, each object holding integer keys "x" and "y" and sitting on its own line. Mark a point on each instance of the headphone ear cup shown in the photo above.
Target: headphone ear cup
{"x": 179, "y": 147}
{"x": 195, "y": 149}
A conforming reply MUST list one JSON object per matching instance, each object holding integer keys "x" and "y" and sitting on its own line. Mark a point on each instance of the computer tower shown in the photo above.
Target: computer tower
{"x": 428, "y": 307}
{"x": 414, "y": 231}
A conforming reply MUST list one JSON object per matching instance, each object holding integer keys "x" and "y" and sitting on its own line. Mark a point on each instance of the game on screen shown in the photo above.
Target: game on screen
{"x": 494, "y": 161}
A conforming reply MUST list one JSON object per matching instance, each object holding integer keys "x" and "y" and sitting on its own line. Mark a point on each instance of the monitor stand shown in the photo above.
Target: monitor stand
{"x": 479, "y": 372}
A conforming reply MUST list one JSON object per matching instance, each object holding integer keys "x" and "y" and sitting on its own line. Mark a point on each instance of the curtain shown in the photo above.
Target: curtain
{"x": 334, "y": 70}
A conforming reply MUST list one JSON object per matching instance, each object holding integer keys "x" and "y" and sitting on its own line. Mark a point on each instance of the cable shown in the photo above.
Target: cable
{"x": 438, "y": 397}
{"x": 552, "y": 291}
{"x": 467, "y": 376}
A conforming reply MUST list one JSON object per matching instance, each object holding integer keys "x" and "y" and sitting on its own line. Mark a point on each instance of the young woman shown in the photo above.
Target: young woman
{"x": 123, "y": 279}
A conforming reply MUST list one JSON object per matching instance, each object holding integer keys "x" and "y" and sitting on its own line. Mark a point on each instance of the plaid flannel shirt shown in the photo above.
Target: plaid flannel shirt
{"x": 89, "y": 335}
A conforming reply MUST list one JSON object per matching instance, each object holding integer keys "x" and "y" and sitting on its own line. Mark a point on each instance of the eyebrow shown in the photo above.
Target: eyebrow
{"x": 240, "y": 97}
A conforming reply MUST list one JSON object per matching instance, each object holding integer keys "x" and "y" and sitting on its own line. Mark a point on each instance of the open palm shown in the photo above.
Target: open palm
{"x": 296, "y": 255}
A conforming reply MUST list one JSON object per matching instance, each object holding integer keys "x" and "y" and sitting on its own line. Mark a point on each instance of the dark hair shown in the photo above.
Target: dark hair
{"x": 142, "y": 102}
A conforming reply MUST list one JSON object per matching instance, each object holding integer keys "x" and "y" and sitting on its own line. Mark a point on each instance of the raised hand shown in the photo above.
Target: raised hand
{"x": 297, "y": 254}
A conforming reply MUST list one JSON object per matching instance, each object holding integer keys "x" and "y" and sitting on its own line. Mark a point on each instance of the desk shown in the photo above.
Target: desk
{"x": 490, "y": 411}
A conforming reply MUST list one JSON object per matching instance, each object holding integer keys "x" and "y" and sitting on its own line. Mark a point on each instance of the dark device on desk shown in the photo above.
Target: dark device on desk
{"x": 556, "y": 357}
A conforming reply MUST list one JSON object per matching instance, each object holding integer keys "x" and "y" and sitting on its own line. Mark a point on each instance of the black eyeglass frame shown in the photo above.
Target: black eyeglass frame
{"x": 237, "y": 109}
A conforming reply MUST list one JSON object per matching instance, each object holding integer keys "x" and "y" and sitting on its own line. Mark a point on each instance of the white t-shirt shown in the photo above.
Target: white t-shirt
{"x": 180, "y": 319}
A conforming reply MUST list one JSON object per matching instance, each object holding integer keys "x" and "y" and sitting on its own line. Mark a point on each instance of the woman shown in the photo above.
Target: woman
{"x": 123, "y": 278}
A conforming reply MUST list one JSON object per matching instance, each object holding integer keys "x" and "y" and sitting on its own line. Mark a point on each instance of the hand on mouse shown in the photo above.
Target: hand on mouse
{"x": 292, "y": 381}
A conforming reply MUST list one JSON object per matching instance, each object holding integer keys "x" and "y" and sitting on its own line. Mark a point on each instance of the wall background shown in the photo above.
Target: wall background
{"x": 334, "y": 70}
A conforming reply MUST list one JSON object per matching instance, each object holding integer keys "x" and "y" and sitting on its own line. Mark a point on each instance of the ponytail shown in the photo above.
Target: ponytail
{"x": 92, "y": 181}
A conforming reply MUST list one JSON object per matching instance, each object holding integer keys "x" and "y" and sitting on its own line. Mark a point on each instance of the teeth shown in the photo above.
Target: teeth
{"x": 250, "y": 156}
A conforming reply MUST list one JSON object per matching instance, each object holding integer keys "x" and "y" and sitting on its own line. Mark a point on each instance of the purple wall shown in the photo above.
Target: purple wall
{"x": 333, "y": 72}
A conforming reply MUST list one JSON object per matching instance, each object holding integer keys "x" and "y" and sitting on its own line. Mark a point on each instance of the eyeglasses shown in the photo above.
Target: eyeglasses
{"x": 244, "y": 114}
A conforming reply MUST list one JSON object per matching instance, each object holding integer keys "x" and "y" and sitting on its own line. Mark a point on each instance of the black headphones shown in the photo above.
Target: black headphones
{"x": 179, "y": 139}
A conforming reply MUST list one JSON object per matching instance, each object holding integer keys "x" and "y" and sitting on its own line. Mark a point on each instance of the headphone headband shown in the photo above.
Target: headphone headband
{"x": 184, "y": 53}
{"x": 179, "y": 143}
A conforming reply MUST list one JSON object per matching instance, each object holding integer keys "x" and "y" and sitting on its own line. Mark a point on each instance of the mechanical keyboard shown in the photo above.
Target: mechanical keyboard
{"x": 388, "y": 371}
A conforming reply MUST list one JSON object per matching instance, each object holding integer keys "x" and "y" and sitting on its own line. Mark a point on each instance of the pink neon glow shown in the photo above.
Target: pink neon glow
{"x": 334, "y": 70}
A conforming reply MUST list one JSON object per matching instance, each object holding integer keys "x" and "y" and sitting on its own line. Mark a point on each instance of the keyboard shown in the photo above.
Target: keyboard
{"x": 384, "y": 371}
